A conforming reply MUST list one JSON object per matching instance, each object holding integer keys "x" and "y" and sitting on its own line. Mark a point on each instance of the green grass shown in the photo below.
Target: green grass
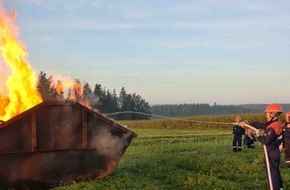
{"x": 194, "y": 158}
{"x": 177, "y": 133}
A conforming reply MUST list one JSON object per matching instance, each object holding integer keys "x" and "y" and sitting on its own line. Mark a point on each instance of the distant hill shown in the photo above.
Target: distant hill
{"x": 183, "y": 110}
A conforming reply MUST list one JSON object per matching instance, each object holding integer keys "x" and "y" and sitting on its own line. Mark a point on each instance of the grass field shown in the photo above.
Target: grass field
{"x": 185, "y": 158}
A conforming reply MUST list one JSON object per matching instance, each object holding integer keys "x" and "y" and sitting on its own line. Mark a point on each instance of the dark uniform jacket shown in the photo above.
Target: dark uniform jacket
{"x": 273, "y": 137}
{"x": 238, "y": 130}
{"x": 286, "y": 143}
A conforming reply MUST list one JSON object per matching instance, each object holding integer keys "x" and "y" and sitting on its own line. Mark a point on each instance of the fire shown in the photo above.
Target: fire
{"x": 20, "y": 92}
{"x": 59, "y": 88}
{"x": 74, "y": 87}
{"x": 61, "y": 83}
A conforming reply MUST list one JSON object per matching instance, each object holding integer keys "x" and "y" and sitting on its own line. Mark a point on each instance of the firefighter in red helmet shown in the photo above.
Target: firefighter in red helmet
{"x": 271, "y": 140}
{"x": 286, "y": 139}
{"x": 238, "y": 133}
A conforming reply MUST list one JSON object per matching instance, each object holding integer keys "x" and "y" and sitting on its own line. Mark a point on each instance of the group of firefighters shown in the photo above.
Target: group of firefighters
{"x": 239, "y": 132}
{"x": 275, "y": 140}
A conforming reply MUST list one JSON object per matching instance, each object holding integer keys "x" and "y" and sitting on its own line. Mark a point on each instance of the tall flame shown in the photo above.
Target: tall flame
{"x": 20, "y": 92}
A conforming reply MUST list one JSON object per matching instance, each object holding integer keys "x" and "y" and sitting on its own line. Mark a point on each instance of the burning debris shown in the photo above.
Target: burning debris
{"x": 18, "y": 91}
{"x": 45, "y": 143}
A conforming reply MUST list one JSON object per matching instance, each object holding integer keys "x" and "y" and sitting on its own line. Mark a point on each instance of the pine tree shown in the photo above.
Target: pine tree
{"x": 43, "y": 86}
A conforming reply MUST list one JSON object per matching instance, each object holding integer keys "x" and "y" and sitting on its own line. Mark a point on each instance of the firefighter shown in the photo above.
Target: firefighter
{"x": 271, "y": 140}
{"x": 286, "y": 139}
{"x": 249, "y": 139}
{"x": 238, "y": 132}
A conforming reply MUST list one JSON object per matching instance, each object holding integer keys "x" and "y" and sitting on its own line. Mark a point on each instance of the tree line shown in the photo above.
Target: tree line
{"x": 183, "y": 110}
{"x": 133, "y": 106}
{"x": 99, "y": 98}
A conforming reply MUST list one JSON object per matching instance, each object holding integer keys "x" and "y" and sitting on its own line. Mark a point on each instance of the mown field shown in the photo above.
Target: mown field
{"x": 179, "y": 154}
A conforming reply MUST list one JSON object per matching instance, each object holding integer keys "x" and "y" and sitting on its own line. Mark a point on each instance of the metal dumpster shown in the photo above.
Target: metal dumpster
{"x": 57, "y": 142}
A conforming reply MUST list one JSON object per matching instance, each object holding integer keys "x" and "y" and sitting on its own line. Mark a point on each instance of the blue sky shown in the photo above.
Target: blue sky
{"x": 204, "y": 51}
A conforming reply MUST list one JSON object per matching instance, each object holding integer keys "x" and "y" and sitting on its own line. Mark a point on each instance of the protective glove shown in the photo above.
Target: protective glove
{"x": 281, "y": 148}
{"x": 258, "y": 133}
{"x": 242, "y": 123}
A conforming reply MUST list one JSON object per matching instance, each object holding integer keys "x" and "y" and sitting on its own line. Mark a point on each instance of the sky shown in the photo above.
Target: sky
{"x": 169, "y": 52}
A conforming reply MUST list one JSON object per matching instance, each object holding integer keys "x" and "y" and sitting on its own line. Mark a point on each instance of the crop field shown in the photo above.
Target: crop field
{"x": 177, "y": 155}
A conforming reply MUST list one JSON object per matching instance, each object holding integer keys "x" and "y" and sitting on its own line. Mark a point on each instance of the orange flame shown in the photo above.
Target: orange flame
{"x": 62, "y": 84}
{"x": 20, "y": 93}
{"x": 59, "y": 88}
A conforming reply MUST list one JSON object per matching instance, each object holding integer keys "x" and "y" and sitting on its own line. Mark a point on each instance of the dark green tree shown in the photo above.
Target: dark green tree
{"x": 88, "y": 95}
{"x": 115, "y": 105}
{"x": 136, "y": 107}
{"x": 99, "y": 96}
{"x": 43, "y": 86}
{"x": 87, "y": 91}
{"x": 46, "y": 88}
{"x": 122, "y": 98}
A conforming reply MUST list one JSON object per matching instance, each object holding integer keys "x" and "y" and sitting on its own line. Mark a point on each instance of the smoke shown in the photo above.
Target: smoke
{"x": 64, "y": 122}
{"x": 108, "y": 144}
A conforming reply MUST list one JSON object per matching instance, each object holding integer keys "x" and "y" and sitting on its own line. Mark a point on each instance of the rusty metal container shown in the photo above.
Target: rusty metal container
{"x": 57, "y": 142}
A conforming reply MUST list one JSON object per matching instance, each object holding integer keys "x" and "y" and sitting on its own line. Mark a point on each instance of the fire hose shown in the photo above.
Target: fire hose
{"x": 208, "y": 122}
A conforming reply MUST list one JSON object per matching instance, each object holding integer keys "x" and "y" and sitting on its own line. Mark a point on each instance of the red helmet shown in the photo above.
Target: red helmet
{"x": 238, "y": 118}
{"x": 274, "y": 108}
{"x": 287, "y": 114}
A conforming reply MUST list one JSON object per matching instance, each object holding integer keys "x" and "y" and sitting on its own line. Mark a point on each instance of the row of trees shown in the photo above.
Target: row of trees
{"x": 180, "y": 110}
{"x": 99, "y": 98}
{"x": 129, "y": 106}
